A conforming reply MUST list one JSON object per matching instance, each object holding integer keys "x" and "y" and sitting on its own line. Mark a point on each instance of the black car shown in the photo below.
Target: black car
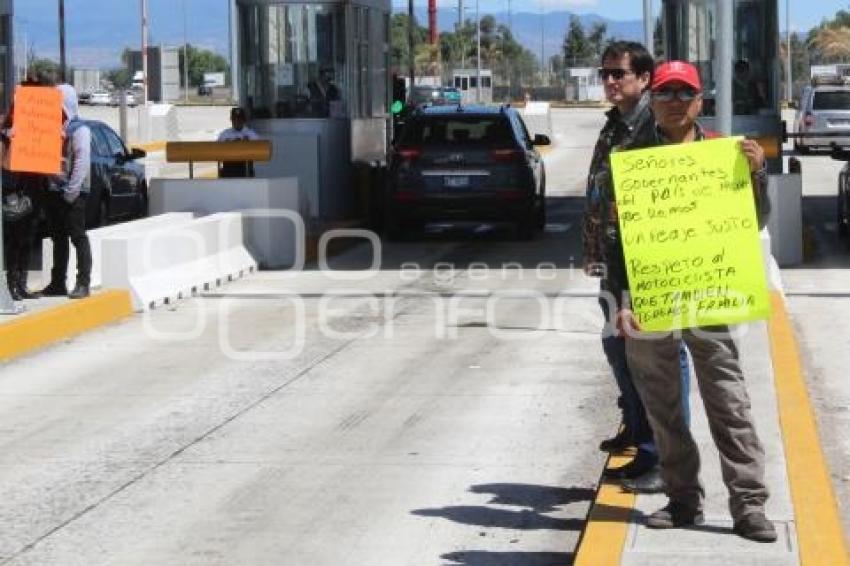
{"x": 118, "y": 186}
{"x": 466, "y": 163}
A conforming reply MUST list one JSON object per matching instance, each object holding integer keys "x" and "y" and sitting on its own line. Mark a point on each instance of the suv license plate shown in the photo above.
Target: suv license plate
{"x": 456, "y": 182}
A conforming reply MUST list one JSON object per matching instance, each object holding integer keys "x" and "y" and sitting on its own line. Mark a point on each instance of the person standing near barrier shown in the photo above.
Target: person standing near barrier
{"x": 65, "y": 202}
{"x": 626, "y": 73}
{"x": 238, "y": 132}
{"x": 18, "y": 236}
{"x": 676, "y": 103}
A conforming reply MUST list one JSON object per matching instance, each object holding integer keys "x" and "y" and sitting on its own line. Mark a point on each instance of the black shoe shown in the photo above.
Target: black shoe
{"x": 675, "y": 515}
{"x": 642, "y": 463}
{"x": 755, "y": 526}
{"x": 55, "y": 290}
{"x": 22, "y": 287}
{"x": 617, "y": 443}
{"x": 650, "y": 482}
{"x": 79, "y": 292}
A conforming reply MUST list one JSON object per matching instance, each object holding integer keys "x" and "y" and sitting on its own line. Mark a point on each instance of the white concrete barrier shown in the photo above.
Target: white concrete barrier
{"x": 771, "y": 268}
{"x": 538, "y": 118}
{"x": 163, "y": 265}
{"x": 273, "y": 209}
{"x": 96, "y": 238}
{"x": 786, "y": 218}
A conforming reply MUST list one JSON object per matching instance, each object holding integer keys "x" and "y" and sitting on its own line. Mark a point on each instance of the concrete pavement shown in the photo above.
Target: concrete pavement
{"x": 188, "y": 437}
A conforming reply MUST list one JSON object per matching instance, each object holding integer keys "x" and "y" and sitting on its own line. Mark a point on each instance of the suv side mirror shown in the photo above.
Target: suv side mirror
{"x": 137, "y": 153}
{"x": 839, "y": 153}
{"x": 541, "y": 139}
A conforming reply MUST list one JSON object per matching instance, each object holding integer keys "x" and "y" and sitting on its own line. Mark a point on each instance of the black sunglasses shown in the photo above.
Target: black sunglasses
{"x": 668, "y": 94}
{"x": 617, "y": 73}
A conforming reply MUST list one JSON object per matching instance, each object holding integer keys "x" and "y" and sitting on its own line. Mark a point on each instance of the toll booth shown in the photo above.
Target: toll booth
{"x": 314, "y": 79}
{"x": 7, "y": 56}
{"x": 466, "y": 80}
{"x": 689, "y": 30}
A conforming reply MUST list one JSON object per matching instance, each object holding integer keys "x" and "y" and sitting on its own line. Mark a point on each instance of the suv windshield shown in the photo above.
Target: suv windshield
{"x": 466, "y": 130}
{"x": 831, "y": 100}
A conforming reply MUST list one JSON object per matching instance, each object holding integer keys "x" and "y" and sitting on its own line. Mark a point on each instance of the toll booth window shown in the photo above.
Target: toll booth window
{"x": 486, "y": 82}
{"x": 690, "y": 31}
{"x": 293, "y": 60}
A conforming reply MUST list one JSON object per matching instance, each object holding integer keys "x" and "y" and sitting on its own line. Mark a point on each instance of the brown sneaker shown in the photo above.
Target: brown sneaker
{"x": 755, "y": 526}
{"x": 675, "y": 515}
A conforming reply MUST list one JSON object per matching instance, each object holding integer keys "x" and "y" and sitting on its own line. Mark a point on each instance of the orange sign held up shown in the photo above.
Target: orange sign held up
{"x": 37, "y": 142}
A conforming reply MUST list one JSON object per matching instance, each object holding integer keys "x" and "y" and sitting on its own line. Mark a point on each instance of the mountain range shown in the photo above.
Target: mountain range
{"x": 96, "y": 37}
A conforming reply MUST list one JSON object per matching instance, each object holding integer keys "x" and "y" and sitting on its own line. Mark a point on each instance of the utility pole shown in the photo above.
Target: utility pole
{"x": 62, "y": 41}
{"x": 234, "y": 52}
{"x": 186, "y": 57}
{"x": 411, "y": 45}
{"x": 725, "y": 36}
{"x": 460, "y": 14}
{"x": 543, "y": 65}
{"x": 789, "y": 78}
{"x": 144, "y": 51}
{"x": 478, "y": 52}
{"x": 647, "y": 26}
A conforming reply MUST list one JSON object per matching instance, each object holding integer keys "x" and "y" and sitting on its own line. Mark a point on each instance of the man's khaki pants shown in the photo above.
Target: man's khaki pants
{"x": 654, "y": 362}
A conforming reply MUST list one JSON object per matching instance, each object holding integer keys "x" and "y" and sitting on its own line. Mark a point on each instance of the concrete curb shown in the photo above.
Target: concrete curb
{"x": 818, "y": 525}
{"x": 30, "y": 332}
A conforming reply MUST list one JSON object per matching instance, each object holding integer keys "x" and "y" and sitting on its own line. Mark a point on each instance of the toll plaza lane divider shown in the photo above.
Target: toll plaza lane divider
{"x": 96, "y": 238}
{"x": 173, "y": 262}
{"x": 29, "y": 332}
{"x": 819, "y": 535}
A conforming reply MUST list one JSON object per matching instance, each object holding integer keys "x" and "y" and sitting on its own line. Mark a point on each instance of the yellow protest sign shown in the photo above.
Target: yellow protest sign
{"x": 37, "y": 144}
{"x": 690, "y": 235}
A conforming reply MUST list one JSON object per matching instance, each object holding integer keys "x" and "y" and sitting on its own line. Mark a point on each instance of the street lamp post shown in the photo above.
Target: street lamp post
{"x": 789, "y": 79}
{"x": 144, "y": 7}
{"x": 62, "y": 61}
{"x": 647, "y": 25}
{"x": 478, "y": 52}
{"x": 186, "y": 57}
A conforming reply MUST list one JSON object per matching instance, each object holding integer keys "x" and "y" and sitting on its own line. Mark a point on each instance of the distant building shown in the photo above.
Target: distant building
{"x": 583, "y": 84}
{"x": 7, "y": 56}
{"x": 86, "y": 80}
{"x": 163, "y": 72}
{"x": 467, "y": 81}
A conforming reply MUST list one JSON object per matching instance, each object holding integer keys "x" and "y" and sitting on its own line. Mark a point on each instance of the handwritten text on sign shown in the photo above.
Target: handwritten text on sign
{"x": 37, "y": 144}
{"x": 690, "y": 235}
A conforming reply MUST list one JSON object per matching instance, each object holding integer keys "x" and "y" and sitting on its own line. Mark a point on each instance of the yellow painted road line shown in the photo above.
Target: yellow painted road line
{"x": 819, "y": 533}
{"x": 607, "y": 524}
{"x": 29, "y": 332}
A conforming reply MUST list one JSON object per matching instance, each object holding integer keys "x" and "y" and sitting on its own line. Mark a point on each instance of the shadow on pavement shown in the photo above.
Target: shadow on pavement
{"x": 540, "y": 498}
{"x": 524, "y": 520}
{"x": 485, "y": 558}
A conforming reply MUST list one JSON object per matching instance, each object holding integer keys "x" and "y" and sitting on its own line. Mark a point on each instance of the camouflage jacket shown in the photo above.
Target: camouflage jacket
{"x": 633, "y": 131}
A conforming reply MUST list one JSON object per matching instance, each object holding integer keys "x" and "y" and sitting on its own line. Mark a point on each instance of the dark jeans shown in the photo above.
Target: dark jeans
{"x": 634, "y": 412}
{"x": 18, "y": 236}
{"x": 68, "y": 222}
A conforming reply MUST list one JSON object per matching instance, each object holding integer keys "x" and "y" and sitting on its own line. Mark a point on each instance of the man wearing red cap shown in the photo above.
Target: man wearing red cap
{"x": 676, "y": 103}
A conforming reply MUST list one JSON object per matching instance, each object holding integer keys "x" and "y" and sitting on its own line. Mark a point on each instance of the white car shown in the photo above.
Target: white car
{"x": 115, "y": 100}
{"x": 100, "y": 98}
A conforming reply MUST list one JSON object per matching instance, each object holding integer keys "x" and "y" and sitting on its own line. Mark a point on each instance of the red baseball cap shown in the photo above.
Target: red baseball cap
{"x": 676, "y": 72}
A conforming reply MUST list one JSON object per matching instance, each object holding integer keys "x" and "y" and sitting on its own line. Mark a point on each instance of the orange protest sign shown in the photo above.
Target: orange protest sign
{"x": 37, "y": 143}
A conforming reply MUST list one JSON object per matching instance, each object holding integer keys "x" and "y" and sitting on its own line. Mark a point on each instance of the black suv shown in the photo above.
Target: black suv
{"x": 466, "y": 163}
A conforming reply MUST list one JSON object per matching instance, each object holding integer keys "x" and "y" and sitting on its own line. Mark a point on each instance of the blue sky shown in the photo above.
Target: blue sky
{"x": 97, "y": 30}
{"x": 805, "y": 14}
